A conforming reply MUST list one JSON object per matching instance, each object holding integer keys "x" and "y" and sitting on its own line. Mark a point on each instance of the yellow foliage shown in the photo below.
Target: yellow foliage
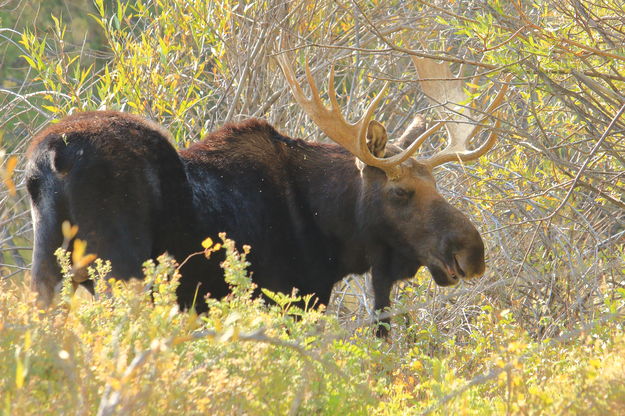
{"x": 7, "y": 174}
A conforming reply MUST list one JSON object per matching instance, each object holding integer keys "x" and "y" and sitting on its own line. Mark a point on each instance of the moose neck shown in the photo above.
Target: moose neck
{"x": 330, "y": 184}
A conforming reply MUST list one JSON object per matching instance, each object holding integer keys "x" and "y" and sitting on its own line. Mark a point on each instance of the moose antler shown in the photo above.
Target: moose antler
{"x": 352, "y": 137}
{"x": 440, "y": 87}
{"x": 446, "y": 92}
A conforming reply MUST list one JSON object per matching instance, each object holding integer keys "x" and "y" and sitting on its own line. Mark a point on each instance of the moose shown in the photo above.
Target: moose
{"x": 313, "y": 213}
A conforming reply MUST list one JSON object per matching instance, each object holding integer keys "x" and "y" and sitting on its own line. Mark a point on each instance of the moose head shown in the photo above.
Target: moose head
{"x": 413, "y": 225}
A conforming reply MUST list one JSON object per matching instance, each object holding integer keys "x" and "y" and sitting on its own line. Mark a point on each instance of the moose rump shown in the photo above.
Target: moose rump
{"x": 107, "y": 172}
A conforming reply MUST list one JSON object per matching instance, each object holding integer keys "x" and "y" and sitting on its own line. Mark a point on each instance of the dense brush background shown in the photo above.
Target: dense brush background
{"x": 541, "y": 332}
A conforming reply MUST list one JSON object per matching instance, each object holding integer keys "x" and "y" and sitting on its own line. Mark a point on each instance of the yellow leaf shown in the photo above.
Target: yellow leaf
{"x": 69, "y": 230}
{"x": 79, "y": 259}
{"x": 7, "y": 175}
{"x": 181, "y": 339}
{"x": 27, "y": 341}
{"x": 115, "y": 384}
{"x": 52, "y": 108}
{"x": 417, "y": 365}
{"x": 207, "y": 243}
{"x": 19, "y": 375}
{"x": 11, "y": 163}
{"x": 84, "y": 261}
{"x": 79, "y": 250}
{"x": 59, "y": 71}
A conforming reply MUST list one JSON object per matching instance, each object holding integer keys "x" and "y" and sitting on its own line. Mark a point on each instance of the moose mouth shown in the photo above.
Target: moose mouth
{"x": 446, "y": 273}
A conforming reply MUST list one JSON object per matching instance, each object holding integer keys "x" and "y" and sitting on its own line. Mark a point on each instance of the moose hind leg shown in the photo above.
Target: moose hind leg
{"x": 115, "y": 220}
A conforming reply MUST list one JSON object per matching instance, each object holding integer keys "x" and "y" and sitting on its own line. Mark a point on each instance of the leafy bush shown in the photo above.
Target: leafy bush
{"x": 129, "y": 350}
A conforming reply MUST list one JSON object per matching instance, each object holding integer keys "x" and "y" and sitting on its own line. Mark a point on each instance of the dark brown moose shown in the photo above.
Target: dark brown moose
{"x": 312, "y": 213}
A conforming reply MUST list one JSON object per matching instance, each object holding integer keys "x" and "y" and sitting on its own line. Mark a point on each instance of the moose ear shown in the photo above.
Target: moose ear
{"x": 376, "y": 138}
{"x": 62, "y": 156}
{"x": 376, "y": 142}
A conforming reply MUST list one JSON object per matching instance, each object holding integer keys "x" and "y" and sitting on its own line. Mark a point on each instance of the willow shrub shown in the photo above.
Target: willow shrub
{"x": 128, "y": 349}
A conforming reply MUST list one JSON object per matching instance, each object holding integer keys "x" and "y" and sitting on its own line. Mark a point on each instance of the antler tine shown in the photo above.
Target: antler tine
{"x": 442, "y": 88}
{"x": 296, "y": 88}
{"x": 450, "y": 154}
{"x": 314, "y": 91}
{"x": 416, "y": 144}
{"x": 329, "y": 120}
{"x": 332, "y": 90}
{"x": 457, "y": 147}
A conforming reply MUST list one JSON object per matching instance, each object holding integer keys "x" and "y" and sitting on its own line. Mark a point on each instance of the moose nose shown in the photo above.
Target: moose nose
{"x": 469, "y": 256}
{"x": 470, "y": 262}
{"x": 463, "y": 245}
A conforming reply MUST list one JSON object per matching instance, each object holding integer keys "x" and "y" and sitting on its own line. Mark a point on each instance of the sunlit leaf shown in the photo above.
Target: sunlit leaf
{"x": 85, "y": 261}
{"x": 207, "y": 242}
{"x": 69, "y": 230}
{"x": 79, "y": 258}
{"x": 7, "y": 175}
{"x": 52, "y": 109}
{"x": 20, "y": 371}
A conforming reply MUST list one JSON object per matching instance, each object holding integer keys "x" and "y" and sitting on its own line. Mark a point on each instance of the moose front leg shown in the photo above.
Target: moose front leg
{"x": 382, "y": 299}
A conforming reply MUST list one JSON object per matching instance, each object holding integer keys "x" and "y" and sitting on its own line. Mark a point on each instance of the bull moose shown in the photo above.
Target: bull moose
{"x": 312, "y": 212}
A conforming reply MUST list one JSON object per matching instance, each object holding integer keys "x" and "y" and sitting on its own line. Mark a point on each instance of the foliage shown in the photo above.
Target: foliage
{"x": 129, "y": 350}
{"x": 548, "y": 201}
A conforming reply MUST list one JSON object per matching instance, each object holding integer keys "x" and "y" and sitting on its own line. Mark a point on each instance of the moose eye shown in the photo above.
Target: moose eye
{"x": 402, "y": 193}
